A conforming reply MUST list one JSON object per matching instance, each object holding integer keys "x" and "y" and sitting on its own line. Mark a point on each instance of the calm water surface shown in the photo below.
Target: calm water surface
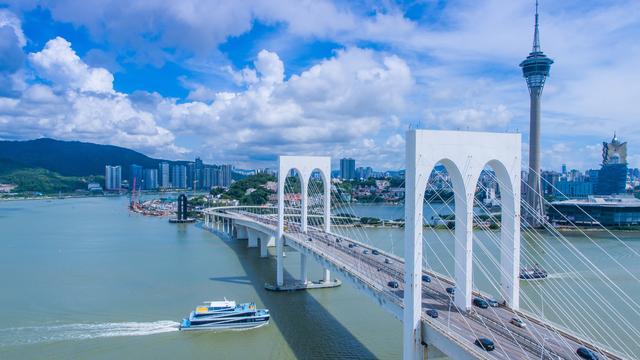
{"x": 82, "y": 278}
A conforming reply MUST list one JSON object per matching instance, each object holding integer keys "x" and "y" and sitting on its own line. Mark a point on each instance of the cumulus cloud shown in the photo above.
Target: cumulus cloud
{"x": 58, "y": 63}
{"x": 80, "y": 105}
{"x": 355, "y": 94}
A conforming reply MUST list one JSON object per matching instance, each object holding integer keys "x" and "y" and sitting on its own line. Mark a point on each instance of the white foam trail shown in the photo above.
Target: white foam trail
{"x": 38, "y": 334}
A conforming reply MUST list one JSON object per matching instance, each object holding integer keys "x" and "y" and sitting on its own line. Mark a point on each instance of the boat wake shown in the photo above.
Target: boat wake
{"x": 51, "y": 333}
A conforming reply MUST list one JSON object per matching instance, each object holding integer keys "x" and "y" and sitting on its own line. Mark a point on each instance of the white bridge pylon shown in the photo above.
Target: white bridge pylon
{"x": 304, "y": 167}
{"x": 464, "y": 154}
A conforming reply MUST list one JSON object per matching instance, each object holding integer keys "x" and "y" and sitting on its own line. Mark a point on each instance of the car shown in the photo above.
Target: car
{"x": 375, "y": 252}
{"x": 387, "y": 261}
{"x": 518, "y": 322}
{"x": 492, "y": 303}
{"x": 481, "y": 303}
{"x": 393, "y": 284}
{"x": 433, "y": 313}
{"x": 337, "y": 240}
{"x": 350, "y": 246}
{"x": 451, "y": 290}
{"x": 426, "y": 278}
{"x": 485, "y": 344}
{"x": 365, "y": 251}
{"x": 585, "y": 353}
{"x": 354, "y": 245}
{"x": 310, "y": 239}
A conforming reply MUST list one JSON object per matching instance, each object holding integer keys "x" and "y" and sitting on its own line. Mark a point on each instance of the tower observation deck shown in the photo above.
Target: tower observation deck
{"x": 535, "y": 69}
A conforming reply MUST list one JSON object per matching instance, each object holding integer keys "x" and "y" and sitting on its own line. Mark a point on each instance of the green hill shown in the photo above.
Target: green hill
{"x": 70, "y": 158}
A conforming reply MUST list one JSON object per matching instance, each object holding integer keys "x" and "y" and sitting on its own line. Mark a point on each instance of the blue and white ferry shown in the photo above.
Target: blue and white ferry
{"x": 214, "y": 315}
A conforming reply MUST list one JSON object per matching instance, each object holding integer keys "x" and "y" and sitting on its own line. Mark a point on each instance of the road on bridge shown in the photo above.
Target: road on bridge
{"x": 538, "y": 340}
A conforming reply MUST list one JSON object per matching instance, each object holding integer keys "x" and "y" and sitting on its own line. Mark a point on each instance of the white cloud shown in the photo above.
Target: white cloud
{"x": 58, "y": 63}
{"x": 81, "y": 105}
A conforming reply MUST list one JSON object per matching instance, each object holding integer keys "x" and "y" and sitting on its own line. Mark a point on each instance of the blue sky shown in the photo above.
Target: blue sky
{"x": 243, "y": 82}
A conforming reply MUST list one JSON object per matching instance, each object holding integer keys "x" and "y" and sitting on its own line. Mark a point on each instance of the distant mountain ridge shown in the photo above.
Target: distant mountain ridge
{"x": 72, "y": 158}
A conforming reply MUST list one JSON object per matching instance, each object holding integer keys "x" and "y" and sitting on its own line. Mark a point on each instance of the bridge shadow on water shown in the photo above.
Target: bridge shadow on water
{"x": 309, "y": 329}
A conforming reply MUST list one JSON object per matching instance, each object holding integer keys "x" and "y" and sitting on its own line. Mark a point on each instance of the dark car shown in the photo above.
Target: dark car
{"x": 393, "y": 284}
{"x": 451, "y": 290}
{"x": 375, "y": 252}
{"x": 586, "y": 354}
{"x": 481, "y": 303}
{"x": 433, "y": 313}
{"x": 426, "y": 278}
{"x": 350, "y": 245}
{"x": 310, "y": 239}
{"x": 337, "y": 240}
{"x": 485, "y": 344}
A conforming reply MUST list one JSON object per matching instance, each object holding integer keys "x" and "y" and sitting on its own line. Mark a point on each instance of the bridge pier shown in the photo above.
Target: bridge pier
{"x": 303, "y": 268}
{"x": 252, "y": 242}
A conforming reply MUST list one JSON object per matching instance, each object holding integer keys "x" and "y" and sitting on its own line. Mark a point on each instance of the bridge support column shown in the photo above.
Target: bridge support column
{"x": 303, "y": 268}
{"x": 463, "y": 252}
{"x": 264, "y": 242}
{"x": 253, "y": 238}
{"x": 411, "y": 322}
{"x": 327, "y": 276}
{"x": 242, "y": 232}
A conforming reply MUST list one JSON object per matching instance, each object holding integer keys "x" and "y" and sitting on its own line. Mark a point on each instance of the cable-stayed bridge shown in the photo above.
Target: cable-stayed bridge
{"x": 407, "y": 287}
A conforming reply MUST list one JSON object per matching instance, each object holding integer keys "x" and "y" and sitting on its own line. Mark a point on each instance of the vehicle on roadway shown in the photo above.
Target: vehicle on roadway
{"x": 481, "y": 303}
{"x": 451, "y": 290}
{"x": 365, "y": 251}
{"x": 393, "y": 284}
{"x": 585, "y": 353}
{"x": 310, "y": 239}
{"x": 375, "y": 252}
{"x": 518, "y": 322}
{"x": 426, "y": 278}
{"x": 337, "y": 240}
{"x": 350, "y": 246}
{"x": 387, "y": 261}
{"x": 433, "y": 313}
{"x": 492, "y": 303}
{"x": 485, "y": 344}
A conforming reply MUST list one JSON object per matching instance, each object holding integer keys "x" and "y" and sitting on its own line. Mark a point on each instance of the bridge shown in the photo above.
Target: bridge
{"x": 402, "y": 286}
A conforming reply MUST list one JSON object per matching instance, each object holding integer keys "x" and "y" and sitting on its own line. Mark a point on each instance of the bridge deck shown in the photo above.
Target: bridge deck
{"x": 511, "y": 342}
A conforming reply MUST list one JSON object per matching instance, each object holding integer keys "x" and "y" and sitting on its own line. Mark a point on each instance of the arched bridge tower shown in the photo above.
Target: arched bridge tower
{"x": 464, "y": 154}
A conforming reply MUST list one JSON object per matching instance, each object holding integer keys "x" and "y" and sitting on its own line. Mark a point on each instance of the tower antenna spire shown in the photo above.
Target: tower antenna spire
{"x": 536, "y": 34}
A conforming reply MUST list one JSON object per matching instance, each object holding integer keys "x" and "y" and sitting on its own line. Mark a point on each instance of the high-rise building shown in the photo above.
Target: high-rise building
{"x": 179, "y": 176}
{"x": 226, "y": 174}
{"x": 612, "y": 177}
{"x": 135, "y": 177}
{"x": 347, "y": 169}
{"x": 164, "y": 175}
{"x": 150, "y": 179}
{"x": 535, "y": 69}
{"x": 198, "y": 174}
{"x": 191, "y": 171}
{"x": 112, "y": 178}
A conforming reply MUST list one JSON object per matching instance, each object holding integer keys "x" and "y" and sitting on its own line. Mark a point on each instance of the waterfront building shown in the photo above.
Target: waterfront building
{"x": 550, "y": 181}
{"x": 150, "y": 179}
{"x": 535, "y": 69}
{"x": 347, "y": 169}
{"x": 135, "y": 177}
{"x": 603, "y": 210}
{"x": 226, "y": 171}
{"x": 612, "y": 177}
{"x": 112, "y": 178}
{"x": 164, "y": 175}
{"x": 198, "y": 174}
{"x": 191, "y": 170}
{"x": 179, "y": 176}
{"x": 573, "y": 189}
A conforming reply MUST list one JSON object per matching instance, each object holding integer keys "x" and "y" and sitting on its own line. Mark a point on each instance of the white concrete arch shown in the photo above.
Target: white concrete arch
{"x": 304, "y": 166}
{"x": 464, "y": 154}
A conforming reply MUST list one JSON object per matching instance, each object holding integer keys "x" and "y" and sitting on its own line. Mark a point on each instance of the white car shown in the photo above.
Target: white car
{"x": 519, "y": 323}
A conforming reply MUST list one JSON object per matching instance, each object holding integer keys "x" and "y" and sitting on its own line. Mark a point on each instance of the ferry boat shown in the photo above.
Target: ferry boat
{"x": 222, "y": 315}
{"x": 533, "y": 273}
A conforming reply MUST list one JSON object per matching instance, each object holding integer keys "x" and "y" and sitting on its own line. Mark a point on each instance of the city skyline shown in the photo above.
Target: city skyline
{"x": 426, "y": 65}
